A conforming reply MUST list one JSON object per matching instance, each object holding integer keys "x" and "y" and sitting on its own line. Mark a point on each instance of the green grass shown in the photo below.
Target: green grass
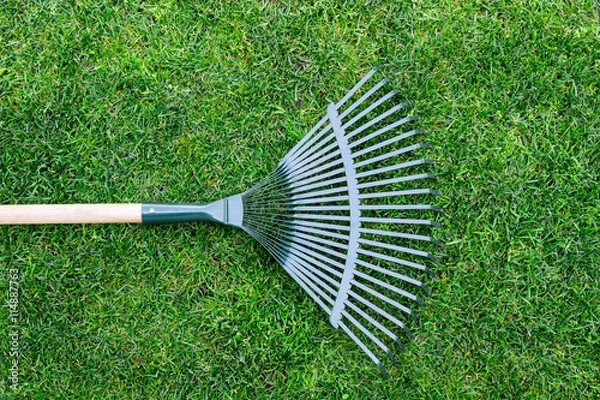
{"x": 169, "y": 101}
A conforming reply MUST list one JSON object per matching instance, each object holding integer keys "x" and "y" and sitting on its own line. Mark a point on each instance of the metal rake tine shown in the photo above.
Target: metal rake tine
{"x": 370, "y": 335}
{"x": 392, "y": 288}
{"x": 323, "y": 225}
{"x": 300, "y": 228}
{"x": 320, "y": 200}
{"x": 386, "y": 142}
{"x": 380, "y": 311}
{"x": 300, "y": 245}
{"x": 376, "y": 324}
{"x": 357, "y": 86}
{"x": 395, "y": 260}
{"x": 402, "y": 235}
{"x": 394, "y": 275}
{"x": 400, "y": 221}
{"x": 362, "y": 99}
{"x": 322, "y": 208}
{"x": 392, "y": 168}
{"x": 365, "y": 349}
{"x": 317, "y": 185}
{"x": 386, "y": 299}
{"x": 367, "y": 110}
{"x": 318, "y": 178}
{"x": 398, "y": 193}
{"x": 309, "y": 136}
{"x": 319, "y": 240}
{"x": 306, "y": 284}
{"x": 395, "y": 153}
{"x": 394, "y": 247}
{"x": 396, "y": 180}
{"x": 306, "y": 271}
{"x": 309, "y": 171}
{"x": 309, "y": 269}
{"x": 323, "y": 217}
{"x": 381, "y": 117}
{"x": 315, "y": 150}
{"x": 315, "y": 159}
{"x": 403, "y": 207}
{"x": 296, "y": 258}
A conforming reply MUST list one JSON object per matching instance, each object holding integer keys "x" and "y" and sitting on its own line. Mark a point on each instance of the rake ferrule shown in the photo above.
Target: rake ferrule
{"x": 228, "y": 211}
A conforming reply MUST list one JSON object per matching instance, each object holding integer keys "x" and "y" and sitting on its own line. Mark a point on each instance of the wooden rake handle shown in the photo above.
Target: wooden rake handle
{"x": 32, "y": 214}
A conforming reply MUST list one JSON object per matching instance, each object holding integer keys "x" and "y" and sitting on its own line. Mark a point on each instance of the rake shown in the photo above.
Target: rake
{"x": 330, "y": 214}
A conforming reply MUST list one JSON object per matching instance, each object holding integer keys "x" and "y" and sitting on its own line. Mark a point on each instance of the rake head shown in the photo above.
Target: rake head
{"x": 338, "y": 213}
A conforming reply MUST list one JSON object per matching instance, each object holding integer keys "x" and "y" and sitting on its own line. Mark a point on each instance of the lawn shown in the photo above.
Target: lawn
{"x": 106, "y": 101}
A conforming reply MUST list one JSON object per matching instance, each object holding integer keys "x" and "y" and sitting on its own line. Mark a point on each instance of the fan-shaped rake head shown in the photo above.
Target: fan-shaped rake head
{"x": 338, "y": 213}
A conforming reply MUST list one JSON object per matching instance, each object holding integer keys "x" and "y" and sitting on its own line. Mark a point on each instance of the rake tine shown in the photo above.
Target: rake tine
{"x": 320, "y": 240}
{"x": 357, "y": 86}
{"x": 320, "y": 184}
{"x": 396, "y": 180}
{"x": 297, "y": 244}
{"x": 308, "y": 286}
{"x": 381, "y": 118}
{"x": 322, "y": 208}
{"x": 314, "y": 200}
{"x": 304, "y": 282}
{"x": 296, "y": 253}
{"x": 308, "y": 269}
{"x": 398, "y": 193}
{"x": 321, "y": 225}
{"x": 409, "y": 236}
{"x": 393, "y": 168}
{"x": 301, "y": 183}
{"x": 317, "y": 150}
{"x": 370, "y": 335}
{"x": 392, "y": 154}
{"x": 365, "y": 349}
{"x": 385, "y": 142}
{"x": 318, "y": 270}
{"x": 362, "y": 99}
{"x": 309, "y": 139}
{"x": 309, "y": 171}
{"x": 319, "y": 193}
{"x": 368, "y": 109}
{"x": 400, "y": 207}
{"x": 395, "y": 260}
{"x": 395, "y": 275}
{"x": 376, "y": 324}
{"x": 381, "y": 312}
{"x": 400, "y": 248}
{"x": 301, "y": 228}
{"x": 325, "y": 250}
{"x": 392, "y": 288}
{"x": 386, "y": 299}
{"x": 400, "y": 221}
{"x": 314, "y": 160}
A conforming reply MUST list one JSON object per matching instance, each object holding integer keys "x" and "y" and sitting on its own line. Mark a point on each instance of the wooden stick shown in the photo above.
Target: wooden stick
{"x": 29, "y": 214}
